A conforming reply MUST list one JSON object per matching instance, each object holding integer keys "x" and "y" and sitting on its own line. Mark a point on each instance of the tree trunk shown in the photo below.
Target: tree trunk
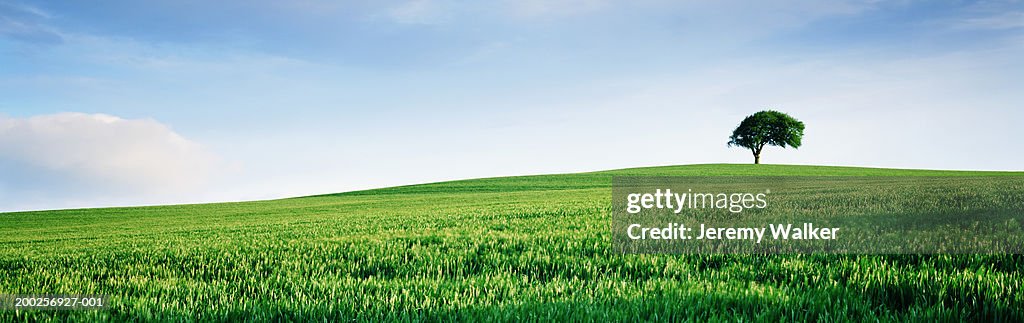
{"x": 757, "y": 159}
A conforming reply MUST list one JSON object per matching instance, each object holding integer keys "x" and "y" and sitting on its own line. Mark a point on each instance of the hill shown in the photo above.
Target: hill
{"x": 509, "y": 248}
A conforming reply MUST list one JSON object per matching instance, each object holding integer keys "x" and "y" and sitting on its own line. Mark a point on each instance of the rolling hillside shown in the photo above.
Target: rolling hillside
{"x": 510, "y": 248}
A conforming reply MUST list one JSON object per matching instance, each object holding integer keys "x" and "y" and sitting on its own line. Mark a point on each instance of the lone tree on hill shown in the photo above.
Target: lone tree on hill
{"x": 767, "y": 128}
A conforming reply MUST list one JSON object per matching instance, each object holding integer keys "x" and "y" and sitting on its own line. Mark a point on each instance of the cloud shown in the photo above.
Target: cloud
{"x": 998, "y": 21}
{"x": 95, "y": 159}
{"x": 419, "y": 12}
{"x": 27, "y": 24}
{"x": 546, "y": 8}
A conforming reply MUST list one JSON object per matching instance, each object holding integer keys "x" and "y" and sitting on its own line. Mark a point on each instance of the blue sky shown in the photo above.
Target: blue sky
{"x": 129, "y": 102}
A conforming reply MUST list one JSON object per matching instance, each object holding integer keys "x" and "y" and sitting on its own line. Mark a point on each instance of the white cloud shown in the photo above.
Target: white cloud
{"x": 419, "y": 12}
{"x": 95, "y": 159}
{"x": 538, "y": 8}
{"x": 1002, "y": 20}
{"x": 26, "y": 24}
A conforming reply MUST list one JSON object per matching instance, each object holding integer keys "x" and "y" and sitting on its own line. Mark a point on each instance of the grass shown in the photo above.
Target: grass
{"x": 511, "y": 248}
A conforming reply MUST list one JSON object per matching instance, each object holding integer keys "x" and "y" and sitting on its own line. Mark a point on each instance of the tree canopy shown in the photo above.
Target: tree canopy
{"x": 767, "y": 127}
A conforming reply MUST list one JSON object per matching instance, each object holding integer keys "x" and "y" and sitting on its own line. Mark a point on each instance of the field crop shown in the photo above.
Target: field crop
{"x": 511, "y": 248}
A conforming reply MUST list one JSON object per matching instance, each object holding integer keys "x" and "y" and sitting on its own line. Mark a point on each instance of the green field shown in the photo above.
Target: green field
{"x": 512, "y": 248}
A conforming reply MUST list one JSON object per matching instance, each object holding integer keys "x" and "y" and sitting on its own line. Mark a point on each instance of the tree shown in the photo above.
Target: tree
{"x": 767, "y": 128}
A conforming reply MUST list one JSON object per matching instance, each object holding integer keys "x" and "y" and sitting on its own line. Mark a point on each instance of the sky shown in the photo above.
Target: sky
{"x": 109, "y": 103}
